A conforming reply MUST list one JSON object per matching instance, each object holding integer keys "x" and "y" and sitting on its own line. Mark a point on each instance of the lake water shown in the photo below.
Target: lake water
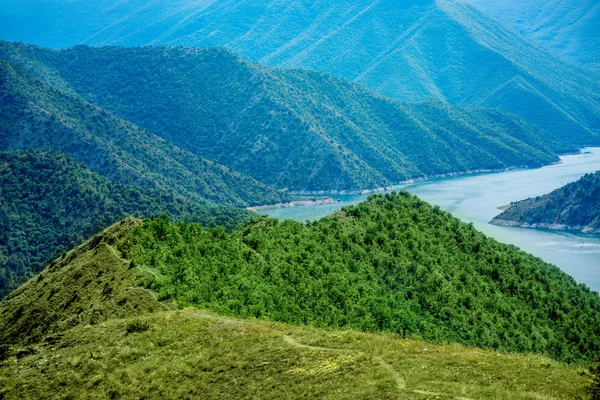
{"x": 476, "y": 198}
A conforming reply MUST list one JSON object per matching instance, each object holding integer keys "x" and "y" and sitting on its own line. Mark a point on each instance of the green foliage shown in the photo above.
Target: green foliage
{"x": 575, "y": 206}
{"x": 33, "y": 114}
{"x": 4, "y": 352}
{"x": 137, "y": 326}
{"x": 393, "y": 263}
{"x": 293, "y": 129}
{"x": 50, "y": 202}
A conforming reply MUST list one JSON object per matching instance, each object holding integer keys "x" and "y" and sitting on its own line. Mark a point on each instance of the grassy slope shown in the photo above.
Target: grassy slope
{"x": 575, "y": 206}
{"x": 296, "y": 129}
{"x": 69, "y": 339}
{"x": 33, "y": 114}
{"x": 412, "y": 51}
{"x": 196, "y": 354}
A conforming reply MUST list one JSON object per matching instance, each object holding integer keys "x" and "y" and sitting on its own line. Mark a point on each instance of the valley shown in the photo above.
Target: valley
{"x": 256, "y": 199}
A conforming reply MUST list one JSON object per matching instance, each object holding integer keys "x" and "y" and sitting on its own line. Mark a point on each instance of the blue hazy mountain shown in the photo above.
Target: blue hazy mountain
{"x": 410, "y": 50}
{"x": 569, "y": 29}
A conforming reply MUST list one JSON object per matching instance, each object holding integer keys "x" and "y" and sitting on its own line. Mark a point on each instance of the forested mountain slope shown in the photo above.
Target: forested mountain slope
{"x": 569, "y": 29}
{"x": 575, "y": 206}
{"x": 50, "y": 202}
{"x": 410, "y": 50}
{"x": 89, "y": 327}
{"x": 393, "y": 263}
{"x": 34, "y": 114}
{"x": 295, "y": 129}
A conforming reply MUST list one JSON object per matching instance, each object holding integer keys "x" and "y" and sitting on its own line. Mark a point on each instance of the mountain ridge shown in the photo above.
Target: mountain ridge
{"x": 300, "y": 130}
{"x": 440, "y": 49}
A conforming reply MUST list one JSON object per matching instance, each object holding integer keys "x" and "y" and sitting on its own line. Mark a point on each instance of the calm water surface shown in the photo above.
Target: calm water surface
{"x": 476, "y": 198}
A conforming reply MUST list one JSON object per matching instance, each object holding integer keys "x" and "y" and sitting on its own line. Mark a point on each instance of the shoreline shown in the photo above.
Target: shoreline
{"x": 544, "y": 225}
{"x": 296, "y": 203}
{"x": 402, "y": 184}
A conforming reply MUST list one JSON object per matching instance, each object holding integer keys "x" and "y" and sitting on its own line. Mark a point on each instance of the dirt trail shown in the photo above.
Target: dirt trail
{"x": 400, "y": 382}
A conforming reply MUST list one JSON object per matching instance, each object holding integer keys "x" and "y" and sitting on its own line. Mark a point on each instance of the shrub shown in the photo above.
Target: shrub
{"x": 137, "y": 326}
{"x": 594, "y": 387}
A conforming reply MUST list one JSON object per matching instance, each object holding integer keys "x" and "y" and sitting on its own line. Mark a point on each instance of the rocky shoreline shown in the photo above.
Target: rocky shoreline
{"x": 542, "y": 225}
{"x": 404, "y": 183}
{"x": 297, "y": 203}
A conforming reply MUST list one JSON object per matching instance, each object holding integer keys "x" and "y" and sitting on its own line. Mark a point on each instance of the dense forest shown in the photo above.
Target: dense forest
{"x": 411, "y": 50}
{"x": 50, "y": 202}
{"x": 293, "y": 129}
{"x": 575, "y": 206}
{"x": 393, "y": 263}
{"x": 34, "y": 114}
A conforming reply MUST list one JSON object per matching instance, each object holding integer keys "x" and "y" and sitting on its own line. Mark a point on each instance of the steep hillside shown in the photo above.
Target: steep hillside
{"x": 33, "y": 114}
{"x": 50, "y": 202}
{"x": 568, "y": 29}
{"x": 294, "y": 129}
{"x": 412, "y": 51}
{"x": 63, "y": 332}
{"x": 393, "y": 263}
{"x": 575, "y": 206}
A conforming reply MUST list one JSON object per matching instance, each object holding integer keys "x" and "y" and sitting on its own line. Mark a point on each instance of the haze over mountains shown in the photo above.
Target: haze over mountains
{"x": 409, "y": 50}
{"x": 294, "y": 129}
{"x": 570, "y": 29}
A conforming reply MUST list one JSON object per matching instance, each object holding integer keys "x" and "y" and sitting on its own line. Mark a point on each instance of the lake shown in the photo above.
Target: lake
{"x": 476, "y": 198}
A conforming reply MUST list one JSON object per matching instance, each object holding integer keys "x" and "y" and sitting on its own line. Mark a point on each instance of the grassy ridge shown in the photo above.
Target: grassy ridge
{"x": 294, "y": 129}
{"x": 197, "y": 354}
{"x": 393, "y": 263}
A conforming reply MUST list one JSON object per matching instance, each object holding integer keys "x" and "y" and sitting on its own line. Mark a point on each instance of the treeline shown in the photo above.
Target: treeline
{"x": 393, "y": 263}
{"x": 50, "y": 202}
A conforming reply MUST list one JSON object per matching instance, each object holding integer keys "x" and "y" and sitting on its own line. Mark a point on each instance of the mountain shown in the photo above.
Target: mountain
{"x": 50, "y": 202}
{"x": 411, "y": 51}
{"x": 568, "y": 29}
{"x": 33, "y": 114}
{"x": 89, "y": 327}
{"x": 295, "y": 129}
{"x": 575, "y": 206}
{"x": 391, "y": 264}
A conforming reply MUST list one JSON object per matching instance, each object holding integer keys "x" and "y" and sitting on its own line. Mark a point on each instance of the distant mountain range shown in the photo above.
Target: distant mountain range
{"x": 294, "y": 129}
{"x": 575, "y": 207}
{"x": 569, "y": 29}
{"x": 409, "y": 50}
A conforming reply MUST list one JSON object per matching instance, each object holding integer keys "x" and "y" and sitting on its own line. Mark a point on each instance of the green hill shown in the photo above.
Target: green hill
{"x": 33, "y": 114}
{"x": 295, "y": 129}
{"x": 411, "y": 51}
{"x": 575, "y": 206}
{"x": 391, "y": 264}
{"x": 567, "y": 29}
{"x": 91, "y": 325}
{"x": 50, "y": 202}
